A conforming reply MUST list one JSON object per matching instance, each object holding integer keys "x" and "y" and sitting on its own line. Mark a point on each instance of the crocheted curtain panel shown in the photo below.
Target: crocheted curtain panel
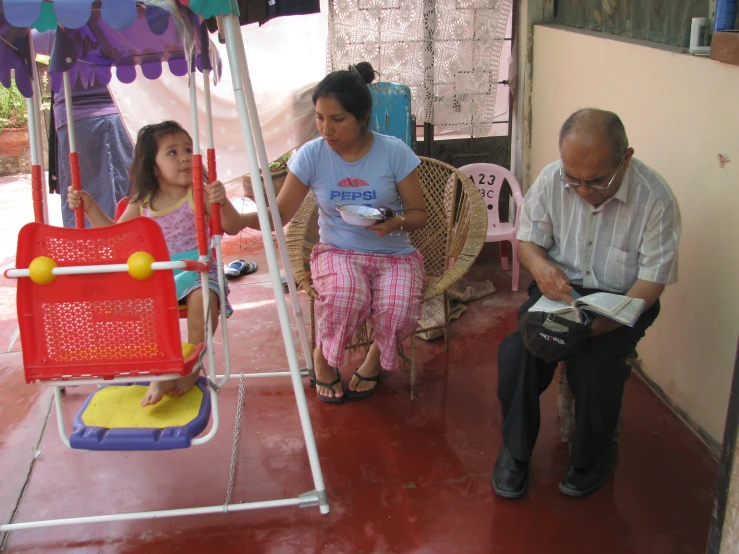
{"x": 446, "y": 51}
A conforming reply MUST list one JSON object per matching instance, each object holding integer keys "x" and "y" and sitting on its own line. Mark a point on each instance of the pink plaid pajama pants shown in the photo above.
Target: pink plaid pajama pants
{"x": 354, "y": 286}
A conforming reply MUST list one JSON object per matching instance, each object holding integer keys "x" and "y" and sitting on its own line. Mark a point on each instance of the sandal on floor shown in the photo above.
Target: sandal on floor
{"x": 365, "y": 393}
{"x": 331, "y": 385}
{"x": 239, "y": 268}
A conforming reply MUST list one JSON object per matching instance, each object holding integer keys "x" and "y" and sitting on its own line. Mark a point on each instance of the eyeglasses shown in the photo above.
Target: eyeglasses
{"x": 590, "y": 184}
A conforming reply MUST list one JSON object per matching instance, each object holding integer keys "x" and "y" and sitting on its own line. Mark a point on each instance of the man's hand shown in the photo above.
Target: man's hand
{"x": 602, "y": 324}
{"x": 649, "y": 292}
{"x": 552, "y": 281}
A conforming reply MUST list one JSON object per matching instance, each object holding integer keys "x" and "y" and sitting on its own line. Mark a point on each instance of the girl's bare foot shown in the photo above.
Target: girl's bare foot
{"x": 184, "y": 384}
{"x": 156, "y": 390}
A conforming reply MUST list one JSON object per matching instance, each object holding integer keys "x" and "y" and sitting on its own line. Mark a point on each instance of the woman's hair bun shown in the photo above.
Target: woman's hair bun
{"x": 366, "y": 71}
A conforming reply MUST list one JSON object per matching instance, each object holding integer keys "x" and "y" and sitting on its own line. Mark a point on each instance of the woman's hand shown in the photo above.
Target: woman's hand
{"x": 386, "y": 227}
{"x": 216, "y": 193}
{"x": 78, "y": 198}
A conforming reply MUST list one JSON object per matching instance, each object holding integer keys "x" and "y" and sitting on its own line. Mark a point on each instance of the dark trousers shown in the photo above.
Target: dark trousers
{"x": 596, "y": 374}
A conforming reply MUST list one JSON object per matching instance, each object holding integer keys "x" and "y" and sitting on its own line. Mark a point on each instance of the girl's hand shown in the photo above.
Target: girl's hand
{"x": 386, "y": 227}
{"x": 77, "y": 198}
{"x": 216, "y": 193}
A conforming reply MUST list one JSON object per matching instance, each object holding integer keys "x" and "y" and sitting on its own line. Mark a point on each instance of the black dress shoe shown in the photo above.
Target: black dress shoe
{"x": 580, "y": 483}
{"x": 510, "y": 476}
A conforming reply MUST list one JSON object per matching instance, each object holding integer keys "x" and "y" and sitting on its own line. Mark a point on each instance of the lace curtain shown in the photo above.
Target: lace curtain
{"x": 446, "y": 51}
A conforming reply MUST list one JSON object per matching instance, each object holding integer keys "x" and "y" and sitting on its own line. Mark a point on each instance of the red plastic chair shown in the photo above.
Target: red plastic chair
{"x": 97, "y": 325}
{"x": 489, "y": 179}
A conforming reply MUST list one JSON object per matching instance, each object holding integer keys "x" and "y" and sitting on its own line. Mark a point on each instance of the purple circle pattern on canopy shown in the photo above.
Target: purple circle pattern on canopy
{"x": 94, "y": 37}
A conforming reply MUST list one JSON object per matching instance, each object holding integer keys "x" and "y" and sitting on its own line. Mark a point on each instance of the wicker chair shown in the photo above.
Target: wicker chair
{"x": 450, "y": 242}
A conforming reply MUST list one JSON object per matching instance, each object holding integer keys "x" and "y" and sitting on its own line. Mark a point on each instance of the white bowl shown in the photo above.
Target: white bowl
{"x": 361, "y": 216}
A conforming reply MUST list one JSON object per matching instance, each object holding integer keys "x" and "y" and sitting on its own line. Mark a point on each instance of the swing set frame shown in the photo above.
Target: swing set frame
{"x": 256, "y": 157}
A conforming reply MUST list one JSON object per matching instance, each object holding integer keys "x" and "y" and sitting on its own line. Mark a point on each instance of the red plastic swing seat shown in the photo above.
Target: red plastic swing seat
{"x": 101, "y": 325}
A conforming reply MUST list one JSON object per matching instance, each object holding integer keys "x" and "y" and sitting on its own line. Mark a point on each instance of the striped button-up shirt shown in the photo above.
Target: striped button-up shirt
{"x": 632, "y": 235}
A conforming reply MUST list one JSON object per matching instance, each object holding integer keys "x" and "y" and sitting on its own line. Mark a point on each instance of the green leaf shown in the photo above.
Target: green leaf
{"x": 13, "y": 113}
{"x": 280, "y": 163}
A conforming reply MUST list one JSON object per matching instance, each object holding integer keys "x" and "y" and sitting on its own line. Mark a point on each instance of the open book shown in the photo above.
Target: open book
{"x": 621, "y": 308}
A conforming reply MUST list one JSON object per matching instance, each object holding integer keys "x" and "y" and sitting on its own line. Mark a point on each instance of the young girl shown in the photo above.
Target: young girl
{"x": 161, "y": 188}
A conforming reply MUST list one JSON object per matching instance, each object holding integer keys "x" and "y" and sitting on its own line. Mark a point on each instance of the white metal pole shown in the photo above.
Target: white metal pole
{"x": 251, "y": 105}
{"x": 203, "y": 276}
{"x": 208, "y": 327}
{"x": 161, "y": 514}
{"x": 60, "y": 415}
{"x": 38, "y": 194}
{"x": 208, "y": 111}
{"x": 224, "y": 319}
{"x": 74, "y": 162}
{"x": 94, "y": 269}
{"x": 33, "y": 132}
{"x": 231, "y": 29}
{"x": 217, "y": 239}
{"x": 304, "y": 373}
{"x": 70, "y": 114}
{"x": 37, "y": 130}
{"x": 215, "y": 414}
{"x": 194, "y": 112}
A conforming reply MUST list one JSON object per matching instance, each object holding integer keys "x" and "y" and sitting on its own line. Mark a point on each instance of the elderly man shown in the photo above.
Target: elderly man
{"x": 597, "y": 220}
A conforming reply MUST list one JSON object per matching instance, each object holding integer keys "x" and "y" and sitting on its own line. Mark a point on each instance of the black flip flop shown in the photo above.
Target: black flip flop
{"x": 328, "y": 399}
{"x": 365, "y": 393}
{"x": 239, "y": 268}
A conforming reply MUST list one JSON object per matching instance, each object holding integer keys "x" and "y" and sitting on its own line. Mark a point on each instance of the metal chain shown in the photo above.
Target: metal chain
{"x": 235, "y": 449}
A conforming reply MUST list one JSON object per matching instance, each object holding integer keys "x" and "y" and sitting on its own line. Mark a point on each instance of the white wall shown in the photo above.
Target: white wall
{"x": 680, "y": 112}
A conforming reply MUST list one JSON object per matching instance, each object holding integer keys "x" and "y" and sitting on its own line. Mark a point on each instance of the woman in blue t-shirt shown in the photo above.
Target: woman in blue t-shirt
{"x": 359, "y": 272}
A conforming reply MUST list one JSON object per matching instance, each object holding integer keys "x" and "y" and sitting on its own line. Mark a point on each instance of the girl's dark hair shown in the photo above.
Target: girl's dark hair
{"x": 144, "y": 182}
{"x": 349, "y": 88}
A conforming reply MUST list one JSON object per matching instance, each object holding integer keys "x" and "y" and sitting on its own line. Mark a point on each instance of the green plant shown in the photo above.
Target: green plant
{"x": 13, "y": 113}
{"x": 280, "y": 164}
{"x": 46, "y": 96}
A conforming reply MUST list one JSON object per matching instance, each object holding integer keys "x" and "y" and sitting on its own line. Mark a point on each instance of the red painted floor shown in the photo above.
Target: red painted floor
{"x": 401, "y": 476}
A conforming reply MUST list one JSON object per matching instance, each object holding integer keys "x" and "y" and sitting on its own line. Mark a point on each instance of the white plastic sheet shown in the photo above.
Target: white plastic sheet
{"x": 286, "y": 59}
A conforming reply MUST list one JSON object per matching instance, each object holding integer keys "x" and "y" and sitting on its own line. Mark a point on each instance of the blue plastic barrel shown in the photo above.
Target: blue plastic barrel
{"x": 725, "y": 15}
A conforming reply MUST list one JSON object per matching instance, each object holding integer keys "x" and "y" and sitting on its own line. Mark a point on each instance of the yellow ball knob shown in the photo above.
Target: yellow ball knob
{"x": 139, "y": 265}
{"x": 40, "y": 270}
